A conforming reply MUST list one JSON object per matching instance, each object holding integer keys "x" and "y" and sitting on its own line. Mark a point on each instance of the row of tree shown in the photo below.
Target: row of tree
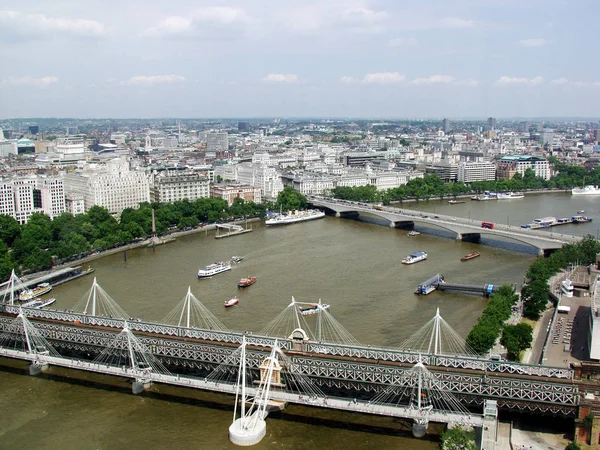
{"x": 432, "y": 186}
{"x": 535, "y": 293}
{"x": 490, "y": 324}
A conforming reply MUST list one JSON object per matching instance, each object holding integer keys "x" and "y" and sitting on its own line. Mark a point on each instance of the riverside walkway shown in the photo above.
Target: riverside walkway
{"x": 461, "y": 227}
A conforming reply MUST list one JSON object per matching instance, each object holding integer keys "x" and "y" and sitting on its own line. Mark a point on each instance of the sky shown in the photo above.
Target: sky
{"x": 299, "y": 58}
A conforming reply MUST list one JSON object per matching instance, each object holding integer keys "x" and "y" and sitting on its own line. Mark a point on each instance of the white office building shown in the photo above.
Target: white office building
{"x": 175, "y": 185}
{"x": 7, "y": 200}
{"x": 70, "y": 145}
{"x": 263, "y": 176}
{"x": 52, "y": 196}
{"x": 114, "y": 186}
{"x": 469, "y": 171}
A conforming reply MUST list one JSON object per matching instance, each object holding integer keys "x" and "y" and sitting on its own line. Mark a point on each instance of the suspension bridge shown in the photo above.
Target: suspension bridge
{"x": 433, "y": 376}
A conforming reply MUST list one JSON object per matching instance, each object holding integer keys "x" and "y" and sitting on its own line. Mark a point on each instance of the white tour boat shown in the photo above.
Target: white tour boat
{"x": 213, "y": 269}
{"x": 294, "y": 217}
{"x": 415, "y": 257}
{"x": 39, "y": 304}
{"x": 509, "y": 195}
{"x": 587, "y": 190}
{"x": 313, "y": 308}
{"x": 38, "y": 291}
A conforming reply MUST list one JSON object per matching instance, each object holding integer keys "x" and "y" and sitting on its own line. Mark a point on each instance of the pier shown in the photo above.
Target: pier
{"x": 232, "y": 230}
{"x": 437, "y": 282}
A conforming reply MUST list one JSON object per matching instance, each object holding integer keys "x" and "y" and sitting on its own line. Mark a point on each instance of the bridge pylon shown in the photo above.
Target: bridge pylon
{"x": 135, "y": 359}
{"x": 250, "y": 427}
{"x": 21, "y": 335}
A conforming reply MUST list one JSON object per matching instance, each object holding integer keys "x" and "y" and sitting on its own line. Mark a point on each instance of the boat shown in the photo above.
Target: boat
{"x": 581, "y": 211}
{"x": 213, "y": 269}
{"x": 415, "y": 257}
{"x": 455, "y": 202}
{"x": 425, "y": 289}
{"x": 231, "y": 302}
{"x": 39, "y": 304}
{"x": 246, "y": 281}
{"x": 39, "y": 290}
{"x": 544, "y": 222}
{"x": 586, "y": 190}
{"x": 294, "y": 217}
{"x": 481, "y": 198}
{"x": 509, "y": 195}
{"x": 581, "y": 219}
{"x": 470, "y": 256}
{"x": 237, "y": 259}
{"x": 413, "y": 233}
{"x": 313, "y": 308}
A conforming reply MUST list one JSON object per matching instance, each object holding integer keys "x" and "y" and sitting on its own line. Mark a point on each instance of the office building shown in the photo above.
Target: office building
{"x": 114, "y": 186}
{"x": 491, "y": 123}
{"x": 229, "y": 192}
{"x": 175, "y": 185}
{"x": 34, "y": 129}
{"x": 243, "y": 127}
{"x": 523, "y": 127}
{"x": 469, "y": 171}
{"x": 508, "y": 166}
{"x": 217, "y": 142}
{"x": 70, "y": 145}
{"x": 445, "y": 125}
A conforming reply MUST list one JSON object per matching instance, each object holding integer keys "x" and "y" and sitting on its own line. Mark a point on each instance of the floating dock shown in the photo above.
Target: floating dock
{"x": 232, "y": 230}
{"x": 437, "y": 282}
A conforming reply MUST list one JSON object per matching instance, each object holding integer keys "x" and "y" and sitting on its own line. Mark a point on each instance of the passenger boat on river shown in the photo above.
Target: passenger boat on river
{"x": 231, "y": 302}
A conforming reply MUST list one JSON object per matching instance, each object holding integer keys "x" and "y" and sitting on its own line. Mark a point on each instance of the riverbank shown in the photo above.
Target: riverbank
{"x": 469, "y": 195}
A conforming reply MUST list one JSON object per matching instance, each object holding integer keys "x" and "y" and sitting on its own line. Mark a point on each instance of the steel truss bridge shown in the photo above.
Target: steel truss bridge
{"x": 462, "y": 228}
{"x": 357, "y": 370}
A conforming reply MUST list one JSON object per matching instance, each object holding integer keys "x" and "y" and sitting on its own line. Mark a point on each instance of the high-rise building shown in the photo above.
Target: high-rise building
{"x": 243, "y": 126}
{"x": 469, "y": 171}
{"x": 52, "y": 196}
{"x": 34, "y": 129}
{"x": 522, "y": 127}
{"x": 491, "y": 123}
{"x": 597, "y": 136}
{"x": 217, "y": 142}
{"x": 445, "y": 125}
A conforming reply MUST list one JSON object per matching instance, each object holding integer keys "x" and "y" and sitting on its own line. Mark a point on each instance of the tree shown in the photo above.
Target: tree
{"x": 535, "y": 298}
{"x": 457, "y": 438}
{"x": 573, "y": 446}
{"x": 516, "y": 338}
{"x": 9, "y": 229}
{"x": 289, "y": 199}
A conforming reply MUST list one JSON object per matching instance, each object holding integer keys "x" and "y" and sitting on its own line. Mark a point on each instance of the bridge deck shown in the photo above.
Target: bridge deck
{"x": 338, "y": 403}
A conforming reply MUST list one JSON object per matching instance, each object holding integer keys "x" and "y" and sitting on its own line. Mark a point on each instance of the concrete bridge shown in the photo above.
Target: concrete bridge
{"x": 464, "y": 229}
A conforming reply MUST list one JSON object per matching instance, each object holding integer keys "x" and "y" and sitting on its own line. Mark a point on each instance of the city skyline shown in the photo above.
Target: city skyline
{"x": 343, "y": 59}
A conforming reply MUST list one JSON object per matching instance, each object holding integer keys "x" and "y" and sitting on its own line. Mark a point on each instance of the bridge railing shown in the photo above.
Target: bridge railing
{"x": 147, "y": 327}
{"x": 368, "y": 352}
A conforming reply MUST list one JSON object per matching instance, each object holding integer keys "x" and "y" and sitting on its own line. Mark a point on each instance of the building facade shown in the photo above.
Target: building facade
{"x": 114, "y": 187}
{"x": 174, "y": 185}
{"x": 476, "y": 171}
{"x": 229, "y": 192}
{"x": 508, "y": 166}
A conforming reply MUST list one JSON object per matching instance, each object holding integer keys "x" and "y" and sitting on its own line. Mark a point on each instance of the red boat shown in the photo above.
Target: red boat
{"x": 231, "y": 302}
{"x": 470, "y": 256}
{"x": 246, "y": 281}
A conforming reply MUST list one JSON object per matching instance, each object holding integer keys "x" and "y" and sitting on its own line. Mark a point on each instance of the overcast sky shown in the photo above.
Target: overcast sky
{"x": 299, "y": 58}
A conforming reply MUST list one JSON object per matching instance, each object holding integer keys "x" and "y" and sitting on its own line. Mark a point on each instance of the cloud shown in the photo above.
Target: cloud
{"x": 281, "y": 78}
{"x": 384, "y": 77}
{"x": 154, "y": 79}
{"x": 433, "y": 79}
{"x": 586, "y": 83}
{"x": 455, "y": 22}
{"x": 506, "y": 81}
{"x": 171, "y": 25}
{"x": 560, "y": 81}
{"x": 536, "y": 42}
{"x": 30, "y": 81}
{"x": 21, "y": 24}
{"x": 346, "y": 79}
{"x": 402, "y": 42}
{"x": 198, "y": 21}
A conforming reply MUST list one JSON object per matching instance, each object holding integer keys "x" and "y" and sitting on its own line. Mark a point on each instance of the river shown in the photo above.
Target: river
{"x": 352, "y": 265}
